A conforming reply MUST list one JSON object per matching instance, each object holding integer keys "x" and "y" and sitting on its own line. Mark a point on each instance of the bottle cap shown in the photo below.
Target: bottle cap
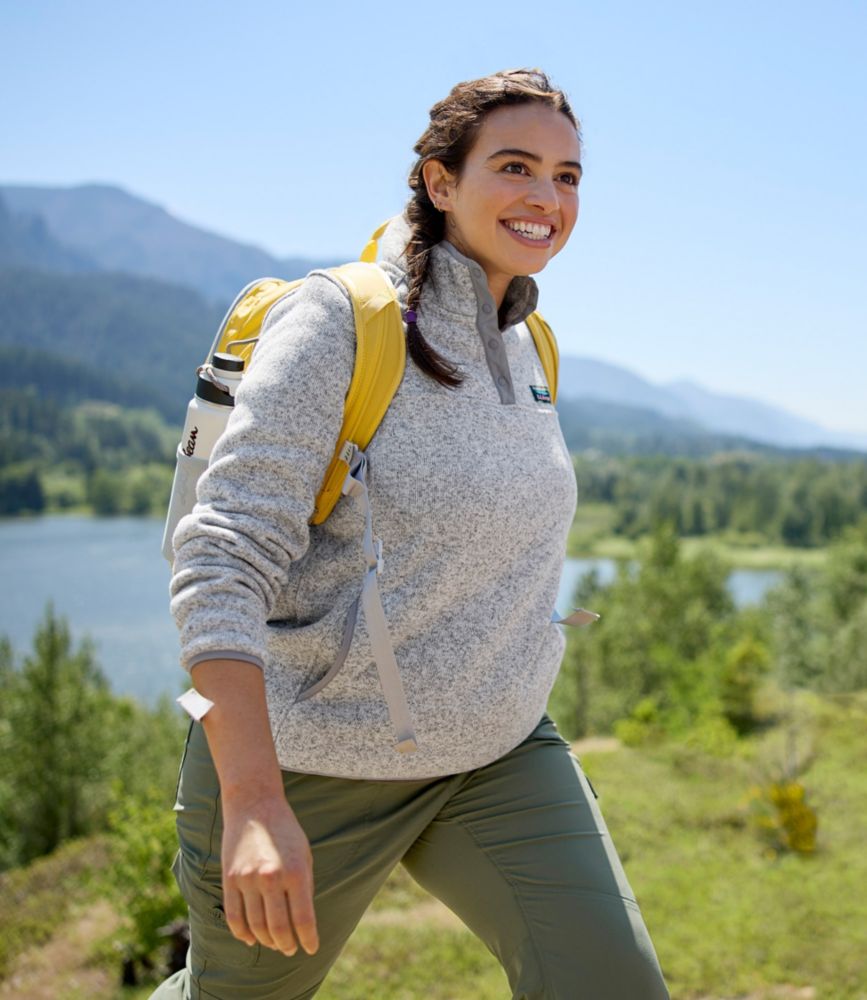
{"x": 206, "y": 390}
{"x": 227, "y": 362}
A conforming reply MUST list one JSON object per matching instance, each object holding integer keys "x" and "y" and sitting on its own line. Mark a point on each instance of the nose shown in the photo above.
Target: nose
{"x": 543, "y": 195}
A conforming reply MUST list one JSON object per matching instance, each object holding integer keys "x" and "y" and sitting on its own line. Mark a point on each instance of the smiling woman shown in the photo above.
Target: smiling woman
{"x": 473, "y": 494}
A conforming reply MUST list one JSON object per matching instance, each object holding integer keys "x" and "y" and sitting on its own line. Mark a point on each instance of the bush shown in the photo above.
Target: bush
{"x": 144, "y": 845}
{"x": 783, "y": 817}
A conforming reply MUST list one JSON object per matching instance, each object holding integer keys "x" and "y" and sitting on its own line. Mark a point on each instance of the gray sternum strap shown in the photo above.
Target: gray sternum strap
{"x": 374, "y": 615}
{"x": 578, "y": 617}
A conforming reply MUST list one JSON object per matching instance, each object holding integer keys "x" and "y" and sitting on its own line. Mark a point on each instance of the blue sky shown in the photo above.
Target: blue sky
{"x": 723, "y": 228}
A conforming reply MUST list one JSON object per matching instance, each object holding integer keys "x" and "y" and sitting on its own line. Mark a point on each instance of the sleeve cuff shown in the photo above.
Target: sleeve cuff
{"x": 223, "y": 654}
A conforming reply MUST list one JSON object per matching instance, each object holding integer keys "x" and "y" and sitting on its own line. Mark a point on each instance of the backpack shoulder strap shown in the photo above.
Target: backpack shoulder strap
{"x": 546, "y": 347}
{"x": 380, "y": 360}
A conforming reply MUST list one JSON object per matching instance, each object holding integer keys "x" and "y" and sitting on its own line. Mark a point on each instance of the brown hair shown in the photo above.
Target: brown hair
{"x": 454, "y": 126}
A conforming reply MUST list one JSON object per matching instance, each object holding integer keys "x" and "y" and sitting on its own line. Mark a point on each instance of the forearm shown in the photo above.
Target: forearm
{"x": 238, "y": 731}
{"x": 266, "y": 858}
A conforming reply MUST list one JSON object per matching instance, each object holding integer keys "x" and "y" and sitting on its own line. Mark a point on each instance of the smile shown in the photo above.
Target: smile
{"x": 537, "y": 232}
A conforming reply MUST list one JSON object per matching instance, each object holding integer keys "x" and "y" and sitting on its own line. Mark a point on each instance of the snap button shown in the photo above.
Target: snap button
{"x": 487, "y": 308}
{"x": 493, "y": 342}
{"x": 502, "y": 380}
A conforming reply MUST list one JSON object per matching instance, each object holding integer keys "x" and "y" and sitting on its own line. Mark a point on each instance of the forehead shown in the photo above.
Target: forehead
{"x": 533, "y": 127}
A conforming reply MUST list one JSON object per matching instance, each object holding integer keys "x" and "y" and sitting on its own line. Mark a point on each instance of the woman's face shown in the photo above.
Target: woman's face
{"x": 516, "y": 200}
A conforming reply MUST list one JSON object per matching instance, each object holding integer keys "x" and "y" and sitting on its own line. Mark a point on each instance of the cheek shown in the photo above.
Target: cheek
{"x": 570, "y": 217}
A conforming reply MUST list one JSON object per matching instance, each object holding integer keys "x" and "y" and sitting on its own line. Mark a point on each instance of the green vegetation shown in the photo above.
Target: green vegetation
{"x": 89, "y": 749}
{"x": 105, "y": 333}
{"x": 671, "y": 653}
{"x": 92, "y": 456}
{"x": 738, "y": 497}
{"x": 36, "y": 900}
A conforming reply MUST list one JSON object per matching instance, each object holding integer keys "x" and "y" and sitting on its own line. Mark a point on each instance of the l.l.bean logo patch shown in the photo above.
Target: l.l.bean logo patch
{"x": 541, "y": 393}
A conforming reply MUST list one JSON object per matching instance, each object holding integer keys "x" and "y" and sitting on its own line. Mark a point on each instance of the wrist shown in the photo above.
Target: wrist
{"x": 250, "y": 796}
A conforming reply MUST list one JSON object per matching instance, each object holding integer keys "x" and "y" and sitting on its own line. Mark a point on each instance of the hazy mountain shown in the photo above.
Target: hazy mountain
{"x": 145, "y": 335}
{"x": 98, "y": 227}
{"x": 752, "y": 418}
{"x": 121, "y": 232}
{"x": 740, "y": 417}
{"x": 26, "y": 242}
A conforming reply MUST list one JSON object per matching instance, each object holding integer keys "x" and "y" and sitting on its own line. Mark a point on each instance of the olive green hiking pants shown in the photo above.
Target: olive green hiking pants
{"x": 518, "y": 849}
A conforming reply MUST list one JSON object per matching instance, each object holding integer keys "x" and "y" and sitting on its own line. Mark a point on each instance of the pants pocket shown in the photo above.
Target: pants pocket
{"x": 210, "y": 937}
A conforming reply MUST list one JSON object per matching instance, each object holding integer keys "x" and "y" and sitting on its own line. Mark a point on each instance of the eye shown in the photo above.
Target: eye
{"x": 570, "y": 178}
{"x": 515, "y": 167}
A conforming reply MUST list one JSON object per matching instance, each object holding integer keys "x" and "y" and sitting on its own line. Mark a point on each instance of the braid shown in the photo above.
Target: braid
{"x": 428, "y": 229}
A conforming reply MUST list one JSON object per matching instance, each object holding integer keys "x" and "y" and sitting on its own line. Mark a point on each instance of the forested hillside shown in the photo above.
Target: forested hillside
{"x": 100, "y": 456}
{"x": 776, "y": 497}
{"x": 147, "y": 332}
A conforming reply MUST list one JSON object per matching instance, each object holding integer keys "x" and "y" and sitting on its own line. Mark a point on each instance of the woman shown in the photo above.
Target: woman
{"x": 292, "y": 813}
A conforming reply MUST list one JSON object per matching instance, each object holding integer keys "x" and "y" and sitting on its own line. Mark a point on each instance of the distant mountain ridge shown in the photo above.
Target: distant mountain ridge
{"x": 738, "y": 416}
{"x": 118, "y": 231}
{"x": 104, "y": 276}
{"x": 26, "y": 242}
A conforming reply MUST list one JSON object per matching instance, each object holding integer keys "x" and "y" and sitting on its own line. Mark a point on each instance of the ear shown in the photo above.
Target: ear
{"x": 439, "y": 183}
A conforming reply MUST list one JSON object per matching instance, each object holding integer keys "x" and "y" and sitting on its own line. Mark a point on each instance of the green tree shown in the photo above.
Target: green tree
{"x": 57, "y": 713}
{"x": 796, "y": 629}
{"x": 744, "y": 668}
{"x": 660, "y": 641}
{"x": 21, "y": 490}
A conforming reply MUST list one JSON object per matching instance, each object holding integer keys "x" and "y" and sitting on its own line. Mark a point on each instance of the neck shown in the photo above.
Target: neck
{"x": 499, "y": 285}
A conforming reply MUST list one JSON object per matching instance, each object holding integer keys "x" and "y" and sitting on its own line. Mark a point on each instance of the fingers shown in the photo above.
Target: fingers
{"x": 275, "y": 917}
{"x": 301, "y": 907}
{"x": 236, "y": 918}
{"x": 279, "y": 927}
{"x": 256, "y": 919}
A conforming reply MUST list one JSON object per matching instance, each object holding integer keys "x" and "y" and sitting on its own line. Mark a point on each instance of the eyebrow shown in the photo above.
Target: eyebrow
{"x": 534, "y": 157}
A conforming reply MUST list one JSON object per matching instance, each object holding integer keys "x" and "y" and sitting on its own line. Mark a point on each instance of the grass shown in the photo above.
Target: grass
{"x": 592, "y": 536}
{"x": 727, "y": 916}
{"x": 35, "y": 901}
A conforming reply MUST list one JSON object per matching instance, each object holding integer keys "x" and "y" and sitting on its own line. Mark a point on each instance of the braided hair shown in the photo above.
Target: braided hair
{"x": 454, "y": 126}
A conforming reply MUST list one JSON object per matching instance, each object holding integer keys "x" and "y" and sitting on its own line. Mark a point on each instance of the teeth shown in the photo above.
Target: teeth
{"x": 533, "y": 230}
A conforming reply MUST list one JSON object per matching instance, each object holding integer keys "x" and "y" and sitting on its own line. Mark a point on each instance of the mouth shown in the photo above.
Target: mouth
{"x": 538, "y": 234}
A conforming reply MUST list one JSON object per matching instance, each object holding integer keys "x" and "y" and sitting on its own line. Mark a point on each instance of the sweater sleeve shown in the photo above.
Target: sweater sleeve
{"x": 257, "y": 495}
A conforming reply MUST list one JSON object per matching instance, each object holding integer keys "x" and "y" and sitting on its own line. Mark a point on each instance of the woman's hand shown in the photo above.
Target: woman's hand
{"x": 268, "y": 875}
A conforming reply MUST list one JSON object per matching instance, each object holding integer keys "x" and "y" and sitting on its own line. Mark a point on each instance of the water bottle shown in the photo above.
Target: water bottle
{"x": 207, "y": 415}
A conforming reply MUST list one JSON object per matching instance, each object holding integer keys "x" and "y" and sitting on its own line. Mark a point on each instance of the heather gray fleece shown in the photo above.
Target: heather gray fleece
{"x": 472, "y": 492}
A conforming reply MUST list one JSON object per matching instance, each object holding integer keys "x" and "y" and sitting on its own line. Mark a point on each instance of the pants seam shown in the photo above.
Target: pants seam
{"x": 210, "y": 853}
{"x": 517, "y": 897}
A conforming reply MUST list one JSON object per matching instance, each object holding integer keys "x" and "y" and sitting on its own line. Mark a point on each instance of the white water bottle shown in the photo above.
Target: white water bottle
{"x": 207, "y": 415}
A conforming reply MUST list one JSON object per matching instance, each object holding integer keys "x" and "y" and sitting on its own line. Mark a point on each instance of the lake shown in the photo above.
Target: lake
{"x": 108, "y": 578}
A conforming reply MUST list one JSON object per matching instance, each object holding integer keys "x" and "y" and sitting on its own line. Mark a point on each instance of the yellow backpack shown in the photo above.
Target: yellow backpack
{"x": 380, "y": 353}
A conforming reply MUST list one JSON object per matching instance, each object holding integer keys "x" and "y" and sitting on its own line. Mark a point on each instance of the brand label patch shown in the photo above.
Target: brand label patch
{"x": 541, "y": 393}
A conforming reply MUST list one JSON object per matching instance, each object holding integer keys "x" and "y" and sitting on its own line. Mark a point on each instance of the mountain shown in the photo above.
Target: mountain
{"x": 737, "y": 416}
{"x": 26, "y": 242}
{"x": 146, "y": 336}
{"x": 119, "y": 231}
{"x": 91, "y": 230}
{"x": 752, "y": 418}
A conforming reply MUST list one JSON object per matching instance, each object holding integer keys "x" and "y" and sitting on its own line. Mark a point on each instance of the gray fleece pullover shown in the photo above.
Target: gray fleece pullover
{"x": 472, "y": 492}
